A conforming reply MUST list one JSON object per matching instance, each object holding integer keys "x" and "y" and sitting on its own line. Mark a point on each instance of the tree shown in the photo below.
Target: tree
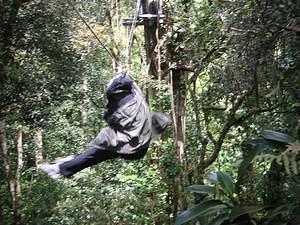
{"x": 225, "y": 70}
{"x": 27, "y": 88}
{"x": 229, "y": 55}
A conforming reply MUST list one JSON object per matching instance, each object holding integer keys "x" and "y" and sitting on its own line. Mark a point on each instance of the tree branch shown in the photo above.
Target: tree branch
{"x": 294, "y": 28}
{"x": 229, "y": 125}
{"x": 203, "y": 140}
{"x": 209, "y": 57}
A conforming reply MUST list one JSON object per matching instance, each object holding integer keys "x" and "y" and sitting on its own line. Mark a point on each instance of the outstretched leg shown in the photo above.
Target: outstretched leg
{"x": 73, "y": 164}
{"x": 86, "y": 159}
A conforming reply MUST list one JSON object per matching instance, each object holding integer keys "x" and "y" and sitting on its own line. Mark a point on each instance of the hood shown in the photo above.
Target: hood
{"x": 119, "y": 85}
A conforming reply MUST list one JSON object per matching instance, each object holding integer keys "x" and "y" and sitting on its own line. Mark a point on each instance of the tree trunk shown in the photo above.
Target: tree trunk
{"x": 150, "y": 36}
{"x": 178, "y": 83}
{"x": 275, "y": 181}
{"x": 178, "y": 95}
{"x": 20, "y": 154}
{"x": 6, "y": 163}
{"x": 14, "y": 186}
{"x": 38, "y": 138}
{"x": 112, "y": 5}
{"x": 2, "y": 183}
{"x": 1, "y": 215}
{"x": 84, "y": 112}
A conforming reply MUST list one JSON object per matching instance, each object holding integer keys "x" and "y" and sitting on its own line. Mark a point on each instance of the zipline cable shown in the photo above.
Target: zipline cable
{"x": 112, "y": 55}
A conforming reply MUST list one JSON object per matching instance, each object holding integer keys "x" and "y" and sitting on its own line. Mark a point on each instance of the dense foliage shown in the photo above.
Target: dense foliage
{"x": 227, "y": 72}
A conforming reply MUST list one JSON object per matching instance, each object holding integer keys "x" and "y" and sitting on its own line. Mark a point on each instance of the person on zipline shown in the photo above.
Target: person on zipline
{"x": 131, "y": 127}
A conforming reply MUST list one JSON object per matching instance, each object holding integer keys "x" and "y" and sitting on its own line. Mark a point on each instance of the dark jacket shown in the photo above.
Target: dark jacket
{"x": 129, "y": 119}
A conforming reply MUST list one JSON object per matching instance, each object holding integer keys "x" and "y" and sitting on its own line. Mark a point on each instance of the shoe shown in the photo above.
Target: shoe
{"x": 61, "y": 160}
{"x": 52, "y": 170}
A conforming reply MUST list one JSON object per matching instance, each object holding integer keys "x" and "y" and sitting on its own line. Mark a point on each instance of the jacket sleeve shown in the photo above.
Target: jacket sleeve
{"x": 105, "y": 140}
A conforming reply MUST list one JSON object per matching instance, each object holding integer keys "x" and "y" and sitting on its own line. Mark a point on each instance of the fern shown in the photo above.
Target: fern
{"x": 288, "y": 159}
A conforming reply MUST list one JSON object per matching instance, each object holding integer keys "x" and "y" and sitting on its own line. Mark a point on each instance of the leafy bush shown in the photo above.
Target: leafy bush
{"x": 222, "y": 205}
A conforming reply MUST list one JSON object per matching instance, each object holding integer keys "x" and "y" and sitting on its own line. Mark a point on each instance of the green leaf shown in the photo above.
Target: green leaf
{"x": 202, "y": 189}
{"x": 267, "y": 146}
{"x": 245, "y": 164}
{"x": 277, "y": 136}
{"x": 295, "y": 190}
{"x": 203, "y": 220}
{"x": 226, "y": 182}
{"x": 219, "y": 220}
{"x": 275, "y": 90}
{"x": 242, "y": 210}
{"x": 261, "y": 144}
{"x": 202, "y": 209}
{"x": 275, "y": 212}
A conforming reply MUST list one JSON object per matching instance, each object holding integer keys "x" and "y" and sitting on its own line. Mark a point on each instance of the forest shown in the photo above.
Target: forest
{"x": 227, "y": 72}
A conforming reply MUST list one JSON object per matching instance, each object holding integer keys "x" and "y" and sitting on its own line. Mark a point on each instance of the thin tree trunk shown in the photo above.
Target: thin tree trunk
{"x": 38, "y": 138}
{"x": 84, "y": 113}
{"x": 6, "y": 163}
{"x": 178, "y": 95}
{"x": 20, "y": 163}
{"x": 2, "y": 182}
{"x": 150, "y": 30}
{"x": 114, "y": 42}
{"x": 179, "y": 98}
{"x": 1, "y": 215}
